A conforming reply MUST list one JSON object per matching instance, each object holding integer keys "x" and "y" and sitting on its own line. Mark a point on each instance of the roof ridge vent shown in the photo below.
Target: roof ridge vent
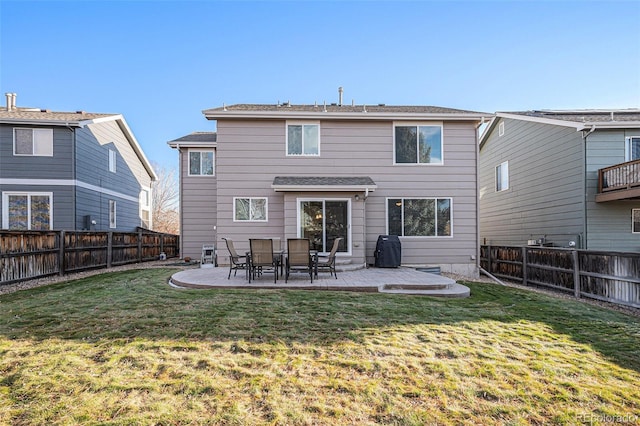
{"x": 78, "y": 112}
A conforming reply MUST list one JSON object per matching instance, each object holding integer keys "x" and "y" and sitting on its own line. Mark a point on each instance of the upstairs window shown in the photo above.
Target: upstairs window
{"x": 34, "y": 142}
{"x": 635, "y": 221}
{"x": 502, "y": 177}
{"x": 632, "y": 148}
{"x": 112, "y": 161}
{"x": 201, "y": 163}
{"x": 418, "y": 144}
{"x": 303, "y": 139}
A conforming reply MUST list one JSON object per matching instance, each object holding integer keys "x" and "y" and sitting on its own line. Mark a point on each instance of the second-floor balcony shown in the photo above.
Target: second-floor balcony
{"x": 619, "y": 182}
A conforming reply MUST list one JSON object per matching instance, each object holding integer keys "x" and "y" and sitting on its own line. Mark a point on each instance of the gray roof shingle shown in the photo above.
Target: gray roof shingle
{"x": 323, "y": 181}
{"x": 35, "y": 115}
{"x": 584, "y": 116}
{"x": 198, "y": 137}
{"x": 341, "y": 108}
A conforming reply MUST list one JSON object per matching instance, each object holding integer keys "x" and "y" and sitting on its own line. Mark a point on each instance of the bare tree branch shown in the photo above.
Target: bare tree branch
{"x": 165, "y": 192}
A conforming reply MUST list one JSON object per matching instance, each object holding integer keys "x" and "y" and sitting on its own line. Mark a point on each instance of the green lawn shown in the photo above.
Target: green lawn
{"x": 125, "y": 348}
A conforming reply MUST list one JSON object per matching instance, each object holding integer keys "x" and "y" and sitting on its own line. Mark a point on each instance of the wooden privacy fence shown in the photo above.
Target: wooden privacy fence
{"x": 25, "y": 255}
{"x": 610, "y": 276}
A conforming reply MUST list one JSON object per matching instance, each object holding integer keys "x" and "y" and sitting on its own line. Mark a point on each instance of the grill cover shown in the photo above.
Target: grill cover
{"x": 388, "y": 251}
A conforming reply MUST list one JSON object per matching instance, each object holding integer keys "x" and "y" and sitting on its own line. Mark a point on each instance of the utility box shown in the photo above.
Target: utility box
{"x": 388, "y": 252}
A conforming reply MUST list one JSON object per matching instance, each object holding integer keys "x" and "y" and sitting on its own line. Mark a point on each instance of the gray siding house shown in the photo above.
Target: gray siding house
{"x": 328, "y": 171}
{"x": 72, "y": 171}
{"x": 562, "y": 178}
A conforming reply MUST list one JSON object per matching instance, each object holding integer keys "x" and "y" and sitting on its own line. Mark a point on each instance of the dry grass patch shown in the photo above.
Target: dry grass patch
{"x": 124, "y": 348}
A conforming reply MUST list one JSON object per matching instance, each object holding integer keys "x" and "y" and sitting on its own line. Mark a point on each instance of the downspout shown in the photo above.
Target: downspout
{"x": 477, "y": 255}
{"x": 73, "y": 175}
{"x": 585, "y": 227}
{"x": 364, "y": 225}
{"x": 180, "y": 203}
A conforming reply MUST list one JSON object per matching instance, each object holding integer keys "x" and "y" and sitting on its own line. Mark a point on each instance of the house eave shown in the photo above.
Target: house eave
{"x": 578, "y": 125}
{"x": 122, "y": 123}
{"x": 364, "y": 115}
{"x": 41, "y": 122}
{"x": 188, "y": 144}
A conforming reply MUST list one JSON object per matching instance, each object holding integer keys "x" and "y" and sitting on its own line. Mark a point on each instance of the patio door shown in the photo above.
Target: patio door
{"x": 324, "y": 220}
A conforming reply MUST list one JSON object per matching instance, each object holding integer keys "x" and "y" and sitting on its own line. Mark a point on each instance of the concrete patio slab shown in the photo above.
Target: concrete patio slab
{"x": 388, "y": 280}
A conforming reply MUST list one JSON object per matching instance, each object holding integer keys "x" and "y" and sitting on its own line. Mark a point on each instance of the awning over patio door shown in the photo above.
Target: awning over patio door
{"x": 323, "y": 183}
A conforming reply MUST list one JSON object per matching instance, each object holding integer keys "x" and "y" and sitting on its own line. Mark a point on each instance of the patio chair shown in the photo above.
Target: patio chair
{"x": 235, "y": 261}
{"x": 262, "y": 258}
{"x": 299, "y": 257}
{"x": 329, "y": 262}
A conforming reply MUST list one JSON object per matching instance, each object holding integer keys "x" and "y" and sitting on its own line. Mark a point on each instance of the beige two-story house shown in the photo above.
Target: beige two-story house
{"x": 328, "y": 171}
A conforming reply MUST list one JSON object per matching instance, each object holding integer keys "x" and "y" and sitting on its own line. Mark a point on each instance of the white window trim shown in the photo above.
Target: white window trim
{"x": 113, "y": 160}
{"x": 504, "y": 166}
{"x": 501, "y": 129}
{"x": 5, "y": 206}
{"x": 266, "y": 207}
{"x": 419, "y": 123}
{"x": 286, "y": 137}
{"x": 386, "y": 217}
{"x": 627, "y": 147}
{"x": 349, "y": 218}
{"x": 212, "y": 151}
{"x": 33, "y": 139}
{"x": 632, "y": 214}
{"x": 146, "y": 207}
{"x": 113, "y": 221}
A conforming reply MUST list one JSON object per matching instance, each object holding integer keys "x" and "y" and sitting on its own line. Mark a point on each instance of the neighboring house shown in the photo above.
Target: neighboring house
{"x": 71, "y": 171}
{"x": 328, "y": 171}
{"x": 562, "y": 178}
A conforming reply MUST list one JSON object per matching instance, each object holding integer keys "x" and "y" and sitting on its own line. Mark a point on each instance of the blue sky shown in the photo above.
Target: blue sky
{"x": 160, "y": 63}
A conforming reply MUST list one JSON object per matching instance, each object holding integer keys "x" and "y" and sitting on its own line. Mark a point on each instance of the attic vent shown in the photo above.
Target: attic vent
{"x": 45, "y": 110}
{"x": 80, "y": 112}
{"x": 501, "y": 129}
{"x": 381, "y": 104}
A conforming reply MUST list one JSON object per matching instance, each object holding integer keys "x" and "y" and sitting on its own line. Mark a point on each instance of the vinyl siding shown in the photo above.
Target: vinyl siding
{"x": 62, "y": 202}
{"x": 34, "y": 167}
{"x": 92, "y": 167}
{"x": 24, "y": 167}
{"x": 96, "y": 205}
{"x": 608, "y": 223}
{"x": 252, "y": 152}
{"x": 546, "y": 189}
{"x": 198, "y": 213}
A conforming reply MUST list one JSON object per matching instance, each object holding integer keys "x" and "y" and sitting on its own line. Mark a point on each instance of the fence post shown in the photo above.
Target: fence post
{"x": 524, "y": 265}
{"x": 61, "y": 253}
{"x": 489, "y": 259}
{"x": 139, "y": 245}
{"x": 109, "y": 249}
{"x": 576, "y": 273}
{"x": 161, "y": 243}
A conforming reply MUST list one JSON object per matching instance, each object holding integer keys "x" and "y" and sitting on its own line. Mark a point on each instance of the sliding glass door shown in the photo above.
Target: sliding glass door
{"x": 324, "y": 220}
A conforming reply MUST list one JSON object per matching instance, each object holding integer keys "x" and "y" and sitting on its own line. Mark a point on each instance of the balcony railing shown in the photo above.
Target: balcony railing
{"x": 619, "y": 182}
